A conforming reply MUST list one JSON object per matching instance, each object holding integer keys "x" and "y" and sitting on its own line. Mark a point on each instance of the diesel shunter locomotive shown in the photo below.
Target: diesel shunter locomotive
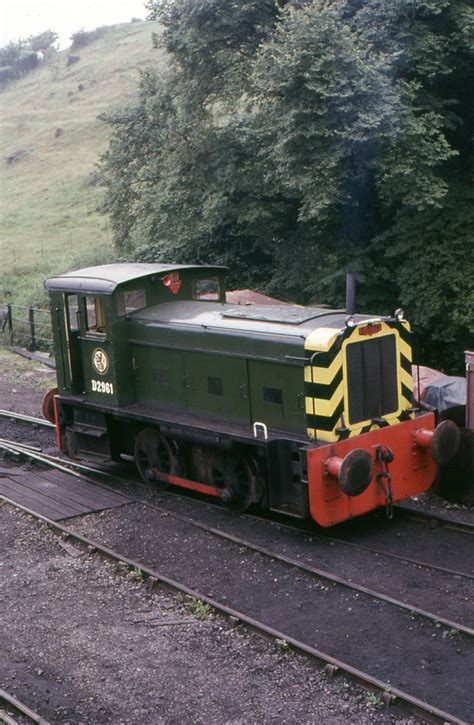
{"x": 301, "y": 410}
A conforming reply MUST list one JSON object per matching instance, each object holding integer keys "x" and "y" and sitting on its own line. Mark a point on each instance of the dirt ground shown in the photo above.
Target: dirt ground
{"x": 84, "y": 641}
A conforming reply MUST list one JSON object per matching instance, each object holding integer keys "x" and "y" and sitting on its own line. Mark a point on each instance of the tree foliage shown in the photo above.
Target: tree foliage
{"x": 20, "y": 57}
{"x": 293, "y": 140}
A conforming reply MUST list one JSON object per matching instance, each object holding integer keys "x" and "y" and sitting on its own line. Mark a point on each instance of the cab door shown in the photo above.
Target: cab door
{"x": 97, "y": 357}
{"x": 67, "y": 322}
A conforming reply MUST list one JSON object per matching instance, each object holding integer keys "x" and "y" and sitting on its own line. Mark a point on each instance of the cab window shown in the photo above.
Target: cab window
{"x": 72, "y": 306}
{"x": 207, "y": 289}
{"x": 130, "y": 301}
{"x": 95, "y": 315}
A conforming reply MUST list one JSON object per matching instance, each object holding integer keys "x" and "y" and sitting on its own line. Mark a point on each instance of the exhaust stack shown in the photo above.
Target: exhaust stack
{"x": 350, "y": 293}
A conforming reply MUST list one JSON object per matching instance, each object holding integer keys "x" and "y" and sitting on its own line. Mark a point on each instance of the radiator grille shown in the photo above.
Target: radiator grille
{"x": 372, "y": 378}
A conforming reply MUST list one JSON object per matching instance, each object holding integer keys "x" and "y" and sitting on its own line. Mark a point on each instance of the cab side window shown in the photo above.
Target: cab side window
{"x": 72, "y": 306}
{"x": 95, "y": 315}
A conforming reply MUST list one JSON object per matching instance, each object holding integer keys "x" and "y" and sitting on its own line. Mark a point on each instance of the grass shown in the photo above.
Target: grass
{"x": 135, "y": 574}
{"x": 196, "y": 607}
{"x": 48, "y": 207}
{"x": 374, "y": 699}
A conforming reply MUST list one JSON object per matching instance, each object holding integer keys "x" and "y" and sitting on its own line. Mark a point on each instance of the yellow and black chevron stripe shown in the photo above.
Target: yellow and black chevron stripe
{"x": 326, "y": 383}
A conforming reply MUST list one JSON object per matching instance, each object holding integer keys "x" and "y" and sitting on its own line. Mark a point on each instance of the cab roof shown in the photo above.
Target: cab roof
{"x": 105, "y": 278}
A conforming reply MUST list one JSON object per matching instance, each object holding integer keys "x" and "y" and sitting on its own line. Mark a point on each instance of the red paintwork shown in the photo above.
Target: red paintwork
{"x": 333, "y": 465}
{"x": 424, "y": 437}
{"x": 173, "y": 282}
{"x": 370, "y": 329}
{"x": 58, "y": 428}
{"x": 187, "y": 483}
{"x": 48, "y": 400}
{"x": 412, "y": 471}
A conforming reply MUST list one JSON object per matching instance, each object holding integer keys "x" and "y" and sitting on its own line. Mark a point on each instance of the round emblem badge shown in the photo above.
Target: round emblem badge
{"x": 100, "y": 360}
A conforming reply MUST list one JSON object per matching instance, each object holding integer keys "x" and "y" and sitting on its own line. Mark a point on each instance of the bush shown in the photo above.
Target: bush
{"x": 15, "y": 156}
{"x": 93, "y": 178}
{"x": 7, "y": 74}
{"x": 85, "y": 37}
{"x": 19, "y": 58}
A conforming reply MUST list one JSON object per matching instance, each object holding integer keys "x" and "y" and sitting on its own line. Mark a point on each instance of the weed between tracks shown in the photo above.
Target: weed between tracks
{"x": 135, "y": 574}
{"x": 198, "y": 608}
{"x": 374, "y": 700}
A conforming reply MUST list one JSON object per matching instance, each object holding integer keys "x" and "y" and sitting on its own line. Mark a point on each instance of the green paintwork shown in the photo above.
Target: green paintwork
{"x": 290, "y": 413}
{"x": 163, "y": 355}
{"x": 233, "y": 374}
{"x": 159, "y": 377}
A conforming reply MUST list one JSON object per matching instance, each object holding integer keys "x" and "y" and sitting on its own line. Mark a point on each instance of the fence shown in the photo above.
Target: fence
{"x": 28, "y": 327}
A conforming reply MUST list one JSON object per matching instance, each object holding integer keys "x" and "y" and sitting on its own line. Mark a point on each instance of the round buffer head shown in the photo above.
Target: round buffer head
{"x": 445, "y": 442}
{"x": 356, "y": 472}
{"x": 48, "y": 405}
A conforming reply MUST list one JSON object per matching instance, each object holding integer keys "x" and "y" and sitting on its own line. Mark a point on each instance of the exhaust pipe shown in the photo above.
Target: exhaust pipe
{"x": 350, "y": 293}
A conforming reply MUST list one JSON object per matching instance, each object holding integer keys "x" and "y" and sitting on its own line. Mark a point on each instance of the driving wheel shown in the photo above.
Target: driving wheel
{"x": 238, "y": 481}
{"x": 155, "y": 455}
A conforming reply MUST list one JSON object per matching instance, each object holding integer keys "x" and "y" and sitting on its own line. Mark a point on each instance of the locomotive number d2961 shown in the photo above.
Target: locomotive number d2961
{"x": 100, "y": 386}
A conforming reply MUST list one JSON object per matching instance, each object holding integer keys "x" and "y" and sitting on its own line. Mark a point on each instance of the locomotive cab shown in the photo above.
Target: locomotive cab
{"x": 91, "y": 309}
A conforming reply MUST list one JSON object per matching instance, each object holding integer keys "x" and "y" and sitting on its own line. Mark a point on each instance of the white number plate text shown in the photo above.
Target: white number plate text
{"x": 99, "y": 386}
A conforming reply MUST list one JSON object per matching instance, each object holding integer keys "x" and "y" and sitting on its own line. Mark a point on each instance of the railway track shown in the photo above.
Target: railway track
{"x": 41, "y": 422}
{"x": 446, "y": 521}
{"x": 417, "y": 619}
{"x": 10, "y": 706}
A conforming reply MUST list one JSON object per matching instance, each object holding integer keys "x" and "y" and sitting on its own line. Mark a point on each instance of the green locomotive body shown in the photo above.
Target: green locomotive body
{"x": 251, "y": 403}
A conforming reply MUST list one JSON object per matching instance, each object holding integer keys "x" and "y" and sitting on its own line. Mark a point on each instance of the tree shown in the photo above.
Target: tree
{"x": 293, "y": 140}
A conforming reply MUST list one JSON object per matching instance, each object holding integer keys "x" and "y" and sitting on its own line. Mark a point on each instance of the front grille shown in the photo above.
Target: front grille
{"x": 372, "y": 378}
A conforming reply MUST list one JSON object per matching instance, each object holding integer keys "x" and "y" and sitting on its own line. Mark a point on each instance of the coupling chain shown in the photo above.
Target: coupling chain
{"x": 385, "y": 455}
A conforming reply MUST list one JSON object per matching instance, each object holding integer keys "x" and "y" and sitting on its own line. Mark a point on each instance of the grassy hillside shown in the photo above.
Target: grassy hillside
{"x": 50, "y": 142}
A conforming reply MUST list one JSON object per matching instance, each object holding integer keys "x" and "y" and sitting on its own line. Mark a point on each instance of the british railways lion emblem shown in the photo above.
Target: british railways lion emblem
{"x": 100, "y": 360}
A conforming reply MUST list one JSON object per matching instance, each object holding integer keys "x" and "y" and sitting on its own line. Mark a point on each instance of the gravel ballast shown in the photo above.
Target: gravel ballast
{"x": 84, "y": 641}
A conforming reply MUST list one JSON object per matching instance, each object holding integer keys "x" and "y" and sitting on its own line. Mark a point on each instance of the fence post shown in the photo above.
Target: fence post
{"x": 31, "y": 318}
{"x": 10, "y": 323}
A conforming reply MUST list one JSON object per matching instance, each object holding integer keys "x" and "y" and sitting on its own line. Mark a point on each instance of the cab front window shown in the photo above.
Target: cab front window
{"x": 130, "y": 301}
{"x": 207, "y": 289}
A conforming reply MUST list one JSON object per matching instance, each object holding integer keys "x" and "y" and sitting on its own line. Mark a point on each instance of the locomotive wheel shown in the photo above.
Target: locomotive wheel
{"x": 154, "y": 454}
{"x": 238, "y": 480}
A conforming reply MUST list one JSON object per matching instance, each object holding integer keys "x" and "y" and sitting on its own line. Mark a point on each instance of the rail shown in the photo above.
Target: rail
{"x": 25, "y": 326}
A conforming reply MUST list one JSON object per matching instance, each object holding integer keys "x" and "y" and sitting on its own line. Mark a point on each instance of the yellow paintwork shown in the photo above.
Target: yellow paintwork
{"x": 322, "y": 340}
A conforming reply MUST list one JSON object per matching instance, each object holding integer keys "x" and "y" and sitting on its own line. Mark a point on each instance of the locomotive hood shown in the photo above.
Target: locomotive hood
{"x": 290, "y": 321}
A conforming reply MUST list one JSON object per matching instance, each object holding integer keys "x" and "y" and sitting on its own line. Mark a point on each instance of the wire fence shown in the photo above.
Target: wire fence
{"x": 28, "y": 327}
